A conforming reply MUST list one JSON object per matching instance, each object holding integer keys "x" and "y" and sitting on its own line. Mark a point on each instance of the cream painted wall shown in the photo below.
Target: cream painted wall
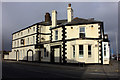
{"x": 90, "y": 32}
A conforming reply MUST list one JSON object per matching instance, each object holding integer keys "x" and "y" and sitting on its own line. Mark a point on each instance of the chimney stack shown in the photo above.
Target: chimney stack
{"x": 69, "y": 13}
{"x": 47, "y": 17}
{"x": 54, "y": 18}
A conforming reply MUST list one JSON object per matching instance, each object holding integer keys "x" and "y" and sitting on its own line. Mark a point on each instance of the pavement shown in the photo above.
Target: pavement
{"x": 29, "y": 70}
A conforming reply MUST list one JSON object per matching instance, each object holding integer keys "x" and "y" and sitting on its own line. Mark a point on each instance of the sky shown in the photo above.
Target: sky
{"x": 18, "y": 15}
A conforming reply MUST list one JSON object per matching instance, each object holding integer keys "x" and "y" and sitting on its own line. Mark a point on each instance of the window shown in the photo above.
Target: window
{"x": 80, "y": 50}
{"x": 82, "y": 32}
{"x": 56, "y": 35}
{"x": 18, "y": 43}
{"x": 28, "y": 30}
{"x": 73, "y": 51}
{"x": 28, "y": 40}
{"x": 15, "y": 44}
{"x": 21, "y": 33}
{"x": 18, "y": 34}
{"x": 104, "y": 50}
{"x": 33, "y": 28}
{"x": 23, "y": 53}
{"x": 89, "y": 50}
{"x": 33, "y": 39}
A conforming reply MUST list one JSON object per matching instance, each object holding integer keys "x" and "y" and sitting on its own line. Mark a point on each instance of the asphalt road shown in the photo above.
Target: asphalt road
{"x": 24, "y": 70}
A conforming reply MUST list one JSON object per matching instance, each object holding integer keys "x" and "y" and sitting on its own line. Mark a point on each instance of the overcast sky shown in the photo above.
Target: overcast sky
{"x": 18, "y": 15}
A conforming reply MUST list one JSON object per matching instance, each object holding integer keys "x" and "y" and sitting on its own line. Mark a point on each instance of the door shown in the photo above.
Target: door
{"x": 105, "y": 52}
{"x": 57, "y": 54}
{"x": 17, "y": 55}
{"x": 30, "y": 55}
{"x": 39, "y": 55}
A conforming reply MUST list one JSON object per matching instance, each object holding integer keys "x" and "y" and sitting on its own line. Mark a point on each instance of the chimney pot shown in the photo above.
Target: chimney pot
{"x": 47, "y": 17}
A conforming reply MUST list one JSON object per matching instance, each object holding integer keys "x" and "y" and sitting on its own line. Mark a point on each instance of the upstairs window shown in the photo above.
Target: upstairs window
{"x": 18, "y": 43}
{"x": 105, "y": 50}
{"x": 81, "y": 32}
{"x": 89, "y": 50}
{"x": 56, "y": 35}
{"x": 28, "y": 30}
{"x": 33, "y": 39}
{"x": 33, "y": 28}
{"x": 28, "y": 40}
{"x": 15, "y": 44}
{"x": 18, "y": 34}
{"x": 21, "y": 33}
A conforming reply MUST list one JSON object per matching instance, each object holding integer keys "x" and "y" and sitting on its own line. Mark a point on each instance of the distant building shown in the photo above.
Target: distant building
{"x": 71, "y": 40}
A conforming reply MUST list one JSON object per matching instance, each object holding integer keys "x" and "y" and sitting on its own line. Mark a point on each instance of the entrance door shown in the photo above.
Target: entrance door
{"x": 56, "y": 54}
{"x": 29, "y": 55}
{"x": 105, "y": 52}
{"x": 39, "y": 55}
{"x": 17, "y": 55}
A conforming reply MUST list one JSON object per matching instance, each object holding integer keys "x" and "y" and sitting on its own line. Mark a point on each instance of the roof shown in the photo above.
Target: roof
{"x": 50, "y": 23}
{"x": 44, "y": 23}
{"x": 75, "y": 21}
{"x": 78, "y": 21}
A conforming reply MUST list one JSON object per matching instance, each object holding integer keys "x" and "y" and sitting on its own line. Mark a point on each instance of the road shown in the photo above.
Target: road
{"x": 24, "y": 70}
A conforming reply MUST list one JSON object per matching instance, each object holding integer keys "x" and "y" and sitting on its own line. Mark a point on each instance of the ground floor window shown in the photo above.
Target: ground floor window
{"x": 73, "y": 51}
{"x": 89, "y": 50}
{"x": 81, "y": 51}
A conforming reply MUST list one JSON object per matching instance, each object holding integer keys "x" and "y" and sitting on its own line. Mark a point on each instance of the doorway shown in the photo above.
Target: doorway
{"x": 56, "y": 54}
